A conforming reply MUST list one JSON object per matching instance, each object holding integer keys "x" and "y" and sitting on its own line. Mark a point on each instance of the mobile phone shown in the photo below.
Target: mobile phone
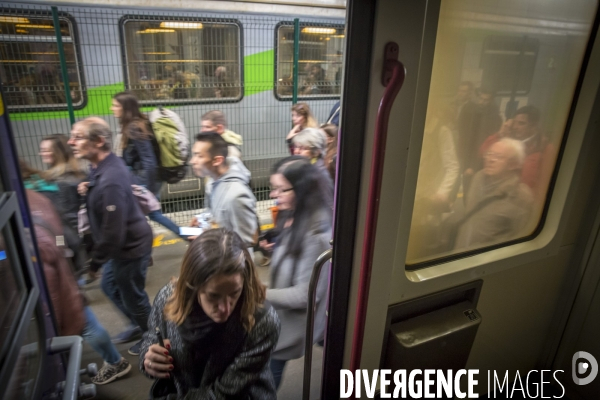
{"x": 159, "y": 337}
{"x": 190, "y": 231}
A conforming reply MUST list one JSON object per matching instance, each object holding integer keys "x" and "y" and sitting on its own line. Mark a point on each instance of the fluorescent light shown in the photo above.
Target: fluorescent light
{"x": 157, "y": 30}
{"x": 157, "y": 53}
{"x": 34, "y": 26}
{"x": 314, "y": 29}
{"x": 14, "y": 20}
{"x": 22, "y": 31}
{"x": 181, "y": 25}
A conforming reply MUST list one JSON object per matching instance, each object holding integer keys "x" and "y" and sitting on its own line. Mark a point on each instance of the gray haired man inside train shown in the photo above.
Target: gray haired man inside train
{"x": 231, "y": 201}
{"x": 499, "y": 204}
{"x": 122, "y": 237}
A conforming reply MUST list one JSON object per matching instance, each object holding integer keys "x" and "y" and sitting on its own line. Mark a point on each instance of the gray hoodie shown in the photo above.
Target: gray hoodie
{"x": 233, "y": 205}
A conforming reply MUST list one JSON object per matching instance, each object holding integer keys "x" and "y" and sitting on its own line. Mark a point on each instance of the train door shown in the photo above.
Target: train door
{"x": 486, "y": 181}
{"x": 27, "y": 370}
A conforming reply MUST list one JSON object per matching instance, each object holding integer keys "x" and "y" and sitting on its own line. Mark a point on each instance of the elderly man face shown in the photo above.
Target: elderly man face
{"x": 499, "y": 160}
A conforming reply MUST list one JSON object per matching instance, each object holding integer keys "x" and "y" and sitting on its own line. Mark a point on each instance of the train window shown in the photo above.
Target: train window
{"x": 171, "y": 60}
{"x": 27, "y": 368}
{"x": 12, "y": 292}
{"x": 502, "y": 84}
{"x": 30, "y": 65}
{"x": 320, "y": 61}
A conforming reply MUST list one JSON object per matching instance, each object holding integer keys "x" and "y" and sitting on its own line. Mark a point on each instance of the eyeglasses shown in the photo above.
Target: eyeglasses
{"x": 78, "y": 138}
{"x": 495, "y": 156}
{"x": 278, "y": 190}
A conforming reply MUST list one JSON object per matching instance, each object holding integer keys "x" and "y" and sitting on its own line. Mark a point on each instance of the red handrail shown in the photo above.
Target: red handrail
{"x": 392, "y": 77}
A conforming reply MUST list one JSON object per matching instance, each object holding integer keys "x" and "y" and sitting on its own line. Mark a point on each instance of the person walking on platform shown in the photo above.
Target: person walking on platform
{"x": 302, "y": 118}
{"x": 305, "y": 234}
{"x": 215, "y": 121}
{"x": 231, "y": 201}
{"x": 72, "y": 315}
{"x": 218, "y": 330}
{"x": 122, "y": 236}
{"x": 138, "y": 152}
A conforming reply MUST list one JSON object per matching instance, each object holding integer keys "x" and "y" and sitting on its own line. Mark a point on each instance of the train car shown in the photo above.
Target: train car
{"x": 191, "y": 61}
{"x": 467, "y": 215}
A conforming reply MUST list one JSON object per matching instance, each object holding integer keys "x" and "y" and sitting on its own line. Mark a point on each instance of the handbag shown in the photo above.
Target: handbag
{"x": 83, "y": 222}
{"x": 148, "y": 202}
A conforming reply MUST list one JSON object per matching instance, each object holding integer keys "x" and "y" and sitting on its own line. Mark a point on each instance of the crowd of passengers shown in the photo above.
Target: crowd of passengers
{"x": 225, "y": 333}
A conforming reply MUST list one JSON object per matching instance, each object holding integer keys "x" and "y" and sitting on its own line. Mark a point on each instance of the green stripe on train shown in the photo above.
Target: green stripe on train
{"x": 258, "y": 73}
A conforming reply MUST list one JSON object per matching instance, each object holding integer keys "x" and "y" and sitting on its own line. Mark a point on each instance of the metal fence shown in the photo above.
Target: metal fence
{"x": 251, "y": 67}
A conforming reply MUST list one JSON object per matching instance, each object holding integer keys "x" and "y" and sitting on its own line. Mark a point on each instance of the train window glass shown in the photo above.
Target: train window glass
{"x": 503, "y": 79}
{"x": 26, "y": 371}
{"x": 11, "y": 293}
{"x": 320, "y": 61}
{"x": 30, "y": 65}
{"x": 182, "y": 61}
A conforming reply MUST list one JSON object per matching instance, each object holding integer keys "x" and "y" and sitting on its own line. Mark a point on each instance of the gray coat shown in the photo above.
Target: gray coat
{"x": 288, "y": 291}
{"x": 233, "y": 205}
{"x": 238, "y": 366}
{"x": 496, "y": 212}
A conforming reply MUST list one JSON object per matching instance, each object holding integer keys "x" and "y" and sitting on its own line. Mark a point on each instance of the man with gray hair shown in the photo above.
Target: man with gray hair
{"x": 498, "y": 205}
{"x": 122, "y": 237}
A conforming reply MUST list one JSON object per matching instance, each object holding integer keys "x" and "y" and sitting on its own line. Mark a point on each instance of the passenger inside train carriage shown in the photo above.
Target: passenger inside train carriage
{"x": 216, "y": 302}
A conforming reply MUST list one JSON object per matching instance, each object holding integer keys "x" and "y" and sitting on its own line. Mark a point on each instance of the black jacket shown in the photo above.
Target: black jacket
{"x": 140, "y": 157}
{"x": 117, "y": 222}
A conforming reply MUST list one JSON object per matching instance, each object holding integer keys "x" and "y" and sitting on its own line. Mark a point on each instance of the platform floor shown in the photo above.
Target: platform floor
{"x": 167, "y": 256}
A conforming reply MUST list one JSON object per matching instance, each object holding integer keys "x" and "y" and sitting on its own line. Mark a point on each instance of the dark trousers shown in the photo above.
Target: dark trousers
{"x": 277, "y": 367}
{"x": 123, "y": 281}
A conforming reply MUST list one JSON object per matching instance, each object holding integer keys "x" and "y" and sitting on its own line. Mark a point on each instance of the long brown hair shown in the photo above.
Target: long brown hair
{"x": 215, "y": 252}
{"x": 331, "y": 131}
{"x": 64, "y": 160}
{"x": 131, "y": 117}
{"x": 304, "y": 110}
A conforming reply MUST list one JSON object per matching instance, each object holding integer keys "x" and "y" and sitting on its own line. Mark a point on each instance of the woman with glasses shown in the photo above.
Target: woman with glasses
{"x": 305, "y": 223}
{"x": 138, "y": 150}
{"x": 302, "y": 118}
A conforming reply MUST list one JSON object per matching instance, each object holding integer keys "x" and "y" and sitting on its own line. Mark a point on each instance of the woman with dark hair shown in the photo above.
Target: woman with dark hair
{"x": 302, "y": 118}
{"x": 138, "y": 151}
{"x": 305, "y": 223}
{"x": 219, "y": 331}
{"x": 330, "y": 158}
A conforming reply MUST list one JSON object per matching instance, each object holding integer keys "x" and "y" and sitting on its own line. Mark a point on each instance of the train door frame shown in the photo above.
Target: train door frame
{"x": 355, "y": 115}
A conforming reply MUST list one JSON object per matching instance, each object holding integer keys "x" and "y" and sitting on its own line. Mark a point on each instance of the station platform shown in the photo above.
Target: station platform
{"x": 167, "y": 254}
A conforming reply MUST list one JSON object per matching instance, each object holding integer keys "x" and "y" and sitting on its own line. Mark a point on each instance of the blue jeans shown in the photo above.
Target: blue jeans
{"x": 277, "y": 367}
{"x": 157, "y": 216}
{"x": 123, "y": 281}
{"x": 98, "y": 338}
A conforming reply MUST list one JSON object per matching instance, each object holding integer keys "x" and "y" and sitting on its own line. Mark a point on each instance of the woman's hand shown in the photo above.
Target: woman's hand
{"x": 266, "y": 245}
{"x": 82, "y": 188}
{"x": 157, "y": 361}
{"x": 193, "y": 223}
{"x": 295, "y": 130}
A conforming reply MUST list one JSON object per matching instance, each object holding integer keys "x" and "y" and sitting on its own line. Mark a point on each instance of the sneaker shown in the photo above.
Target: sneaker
{"x": 128, "y": 335}
{"x": 109, "y": 373}
{"x": 135, "y": 349}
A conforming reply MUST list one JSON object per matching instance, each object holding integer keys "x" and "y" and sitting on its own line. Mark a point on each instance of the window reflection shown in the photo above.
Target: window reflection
{"x": 30, "y": 66}
{"x": 503, "y": 79}
{"x": 182, "y": 61}
{"x": 321, "y": 50}
{"x": 11, "y": 294}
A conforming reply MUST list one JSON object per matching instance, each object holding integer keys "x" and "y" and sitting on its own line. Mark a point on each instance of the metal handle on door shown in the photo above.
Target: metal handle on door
{"x": 310, "y": 320}
{"x": 392, "y": 78}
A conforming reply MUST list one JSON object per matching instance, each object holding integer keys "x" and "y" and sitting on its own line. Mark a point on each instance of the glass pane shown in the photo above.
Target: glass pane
{"x": 320, "y": 60}
{"x": 182, "y": 60}
{"x": 30, "y": 65}
{"x": 25, "y": 373}
{"x": 503, "y": 79}
{"x": 10, "y": 292}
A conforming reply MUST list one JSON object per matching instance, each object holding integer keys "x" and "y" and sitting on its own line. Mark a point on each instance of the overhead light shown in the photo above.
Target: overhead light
{"x": 14, "y": 20}
{"x": 157, "y": 53}
{"x": 156, "y": 30}
{"x": 181, "y": 25}
{"x": 315, "y": 29}
{"x": 22, "y": 31}
{"x": 34, "y": 26}
{"x": 338, "y": 36}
